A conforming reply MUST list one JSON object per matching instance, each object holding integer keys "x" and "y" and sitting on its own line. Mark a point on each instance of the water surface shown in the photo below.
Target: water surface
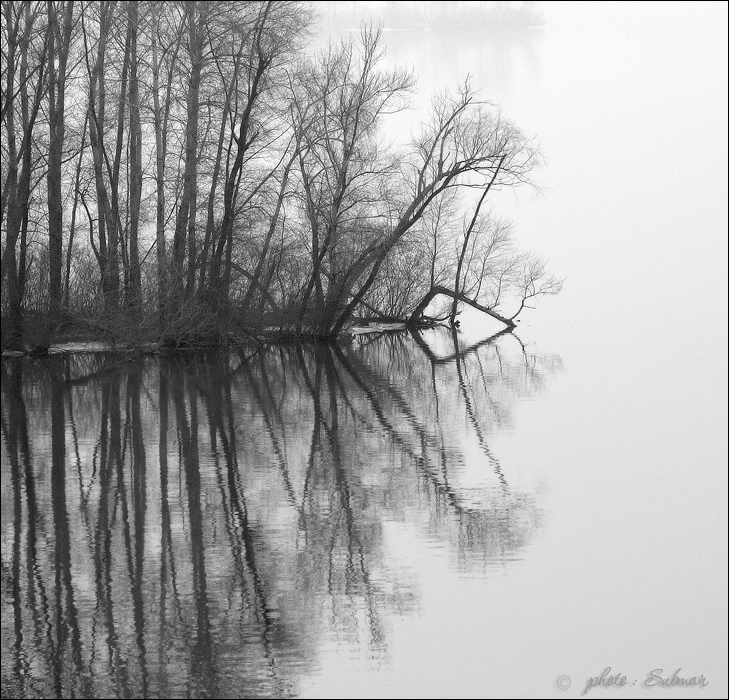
{"x": 205, "y": 525}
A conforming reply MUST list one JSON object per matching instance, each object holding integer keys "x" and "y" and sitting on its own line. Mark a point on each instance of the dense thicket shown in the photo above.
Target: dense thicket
{"x": 187, "y": 171}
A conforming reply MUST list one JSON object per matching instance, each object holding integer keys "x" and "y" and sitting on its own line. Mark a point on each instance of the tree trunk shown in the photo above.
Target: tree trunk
{"x": 186, "y": 213}
{"x": 16, "y": 193}
{"x": 160, "y": 134}
{"x": 210, "y": 225}
{"x": 107, "y": 222}
{"x": 220, "y": 273}
{"x": 10, "y": 199}
{"x": 115, "y": 228}
{"x": 58, "y": 48}
{"x": 271, "y": 230}
{"x": 72, "y": 230}
{"x": 435, "y": 291}
{"x": 135, "y": 163}
{"x": 466, "y": 238}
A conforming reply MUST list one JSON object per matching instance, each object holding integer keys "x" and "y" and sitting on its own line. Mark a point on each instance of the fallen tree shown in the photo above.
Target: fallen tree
{"x": 417, "y": 315}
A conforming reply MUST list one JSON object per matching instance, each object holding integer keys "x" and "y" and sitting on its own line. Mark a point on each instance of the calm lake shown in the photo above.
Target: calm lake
{"x": 434, "y": 515}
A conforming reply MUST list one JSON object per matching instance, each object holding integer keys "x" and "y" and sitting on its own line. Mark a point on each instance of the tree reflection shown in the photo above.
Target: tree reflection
{"x": 199, "y": 525}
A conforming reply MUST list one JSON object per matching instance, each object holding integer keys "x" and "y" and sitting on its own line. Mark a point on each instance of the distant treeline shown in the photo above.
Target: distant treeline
{"x": 477, "y": 15}
{"x": 187, "y": 171}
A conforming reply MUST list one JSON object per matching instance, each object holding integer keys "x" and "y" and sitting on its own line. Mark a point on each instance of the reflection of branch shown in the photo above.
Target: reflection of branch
{"x": 102, "y": 545}
{"x": 353, "y": 537}
{"x": 13, "y": 434}
{"x": 202, "y": 660}
{"x": 436, "y": 400}
{"x": 23, "y": 479}
{"x": 472, "y": 416}
{"x": 280, "y": 454}
{"x": 166, "y": 533}
{"x": 111, "y": 370}
{"x": 84, "y": 493}
{"x": 450, "y": 494}
{"x": 139, "y": 499}
{"x": 342, "y": 522}
{"x": 205, "y": 576}
{"x": 492, "y": 404}
{"x": 234, "y": 502}
{"x": 315, "y": 435}
{"x": 529, "y": 366}
{"x": 460, "y": 352}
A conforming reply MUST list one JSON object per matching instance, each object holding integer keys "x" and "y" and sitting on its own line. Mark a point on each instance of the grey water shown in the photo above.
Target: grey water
{"x": 204, "y": 525}
{"x": 435, "y": 516}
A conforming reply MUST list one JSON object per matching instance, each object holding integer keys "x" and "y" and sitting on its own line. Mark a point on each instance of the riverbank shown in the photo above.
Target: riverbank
{"x": 268, "y": 337}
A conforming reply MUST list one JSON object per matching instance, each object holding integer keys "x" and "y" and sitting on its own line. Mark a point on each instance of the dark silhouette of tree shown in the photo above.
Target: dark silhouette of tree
{"x": 200, "y": 136}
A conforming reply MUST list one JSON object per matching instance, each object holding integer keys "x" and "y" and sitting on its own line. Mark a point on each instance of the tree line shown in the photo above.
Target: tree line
{"x": 190, "y": 171}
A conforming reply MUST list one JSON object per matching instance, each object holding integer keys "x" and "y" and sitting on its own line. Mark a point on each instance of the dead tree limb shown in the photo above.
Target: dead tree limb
{"x": 435, "y": 291}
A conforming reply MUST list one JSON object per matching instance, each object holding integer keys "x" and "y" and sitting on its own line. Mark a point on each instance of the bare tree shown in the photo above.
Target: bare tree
{"x": 185, "y": 234}
{"x": 108, "y": 232}
{"x": 275, "y": 199}
{"x": 59, "y": 44}
{"x": 465, "y": 144}
{"x": 134, "y": 292}
{"x": 25, "y": 79}
{"x": 342, "y": 167}
{"x": 533, "y": 280}
{"x": 165, "y": 45}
